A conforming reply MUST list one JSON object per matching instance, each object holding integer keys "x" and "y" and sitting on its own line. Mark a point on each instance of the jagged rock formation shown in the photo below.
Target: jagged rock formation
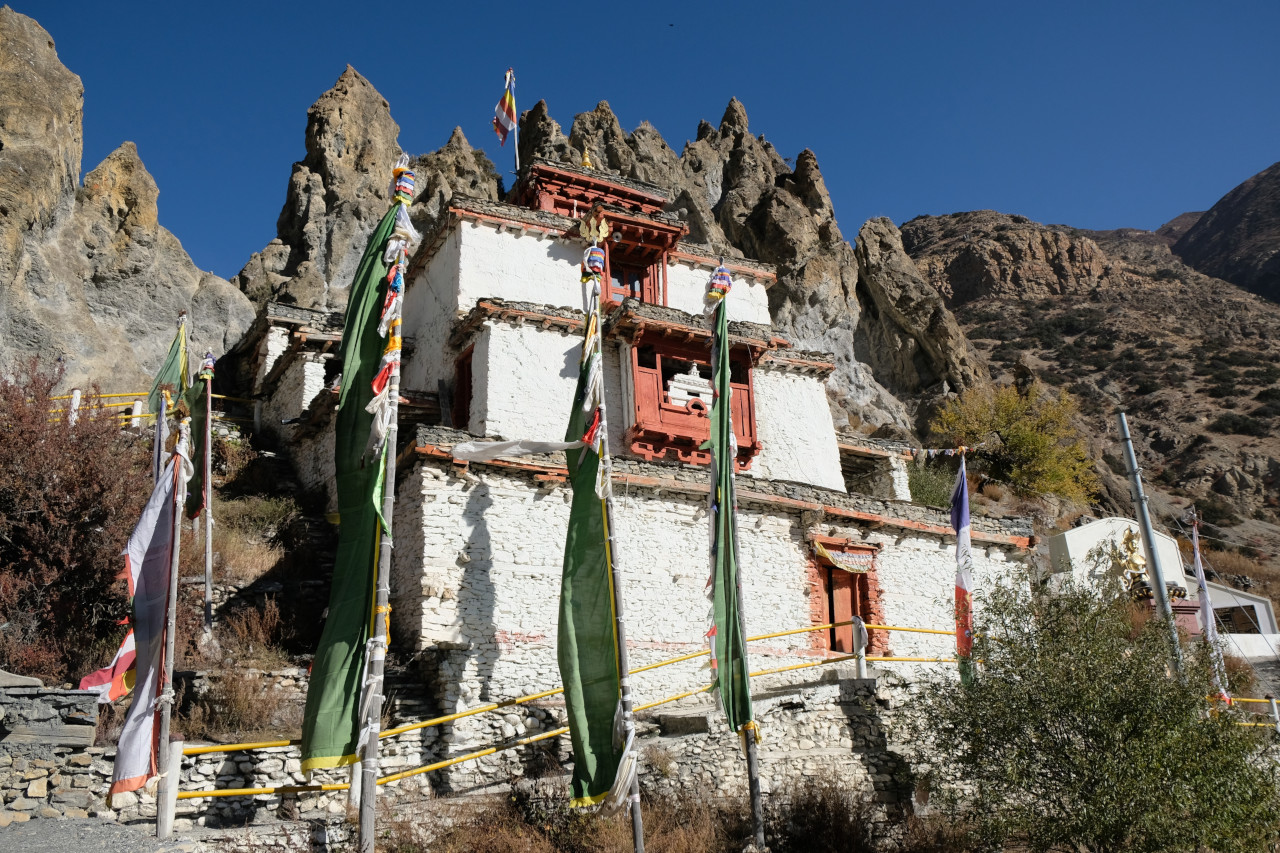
{"x": 895, "y": 342}
{"x": 87, "y": 274}
{"x": 339, "y": 192}
{"x": 1119, "y": 320}
{"x": 1238, "y": 239}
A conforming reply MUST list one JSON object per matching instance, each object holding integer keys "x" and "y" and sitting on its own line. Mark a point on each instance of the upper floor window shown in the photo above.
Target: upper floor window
{"x": 671, "y": 398}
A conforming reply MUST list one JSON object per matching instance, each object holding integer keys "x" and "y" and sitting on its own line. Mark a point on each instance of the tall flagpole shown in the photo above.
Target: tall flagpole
{"x": 1148, "y": 537}
{"x": 718, "y": 291}
{"x": 749, "y": 737}
{"x": 390, "y": 325}
{"x": 208, "y": 498}
{"x": 163, "y": 758}
{"x": 624, "y": 667}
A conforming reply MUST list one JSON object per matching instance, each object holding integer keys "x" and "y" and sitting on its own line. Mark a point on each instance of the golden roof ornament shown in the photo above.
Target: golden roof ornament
{"x": 593, "y": 227}
{"x": 586, "y": 160}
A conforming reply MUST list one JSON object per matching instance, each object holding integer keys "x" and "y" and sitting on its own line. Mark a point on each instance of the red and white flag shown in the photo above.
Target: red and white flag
{"x": 114, "y": 680}
{"x": 148, "y": 559}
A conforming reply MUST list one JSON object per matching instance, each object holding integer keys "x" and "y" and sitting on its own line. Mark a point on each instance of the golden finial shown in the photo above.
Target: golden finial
{"x": 586, "y": 160}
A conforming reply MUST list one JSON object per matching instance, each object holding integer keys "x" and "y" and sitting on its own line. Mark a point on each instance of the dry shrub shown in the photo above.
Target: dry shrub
{"x": 496, "y": 827}
{"x": 258, "y": 514}
{"x": 994, "y": 491}
{"x": 936, "y": 834}
{"x": 239, "y": 704}
{"x": 824, "y": 817}
{"x": 70, "y": 495}
{"x": 254, "y": 634}
{"x": 231, "y": 456}
{"x": 536, "y": 818}
{"x": 243, "y": 558}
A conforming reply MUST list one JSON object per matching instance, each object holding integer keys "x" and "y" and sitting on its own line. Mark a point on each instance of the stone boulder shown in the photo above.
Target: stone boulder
{"x": 338, "y": 193}
{"x": 88, "y": 276}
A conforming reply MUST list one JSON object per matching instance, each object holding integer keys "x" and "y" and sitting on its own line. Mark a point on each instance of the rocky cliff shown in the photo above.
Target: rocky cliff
{"x": 897, "y": 346}
{"x": 338, "y": 193}
{"x": 1238, "y": 239}
{"x": 87, "y": 273}
{"x": 1119, "y": 320}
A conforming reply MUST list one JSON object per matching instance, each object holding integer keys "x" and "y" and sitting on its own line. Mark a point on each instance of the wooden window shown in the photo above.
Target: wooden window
{"x": 634, "y": 277}
{"x": 462, "y": 389}
{"x": 672, "y": 401}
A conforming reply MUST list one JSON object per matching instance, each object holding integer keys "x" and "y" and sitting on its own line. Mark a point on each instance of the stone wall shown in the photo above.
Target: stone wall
{"x": 297, "y": 386}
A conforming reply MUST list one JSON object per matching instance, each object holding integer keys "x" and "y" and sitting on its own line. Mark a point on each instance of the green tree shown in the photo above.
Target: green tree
{"x": 1075, "y": 736}
{"x": 1029, "y": 440}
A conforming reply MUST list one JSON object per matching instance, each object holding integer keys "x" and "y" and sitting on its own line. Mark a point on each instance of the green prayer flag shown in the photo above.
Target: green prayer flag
{"x": 331, "y": 724}
{"x": 197, "y": 398}
{"x": 728, "y": 647}
{"x": 587, "y": 645}
{"x": 173, "y": 372}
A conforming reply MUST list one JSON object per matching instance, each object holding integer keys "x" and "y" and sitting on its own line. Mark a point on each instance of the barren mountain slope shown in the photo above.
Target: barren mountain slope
{"x": 1238, "y": 239}
{"x": 1120, "y": 321}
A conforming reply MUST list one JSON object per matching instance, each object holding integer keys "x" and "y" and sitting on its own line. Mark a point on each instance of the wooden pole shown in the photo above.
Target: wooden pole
{"x": 378, "y": 648}
{"x": 628, "y": 720}
{"x": 208, "y": 506}
{"x": 753, "y": 757}
{"x": 165, "y": 757}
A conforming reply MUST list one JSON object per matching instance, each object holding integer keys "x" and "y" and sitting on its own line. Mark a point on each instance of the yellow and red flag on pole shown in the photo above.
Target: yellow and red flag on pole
{"x": 504, "y": 118}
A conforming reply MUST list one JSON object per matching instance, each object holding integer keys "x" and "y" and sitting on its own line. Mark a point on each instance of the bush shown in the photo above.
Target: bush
{"x": 1072, "y": 735}
{"x": 1029, "y": 441}
{"x": 1232, "y": 423}
{"x": 70, "y": 495}
{"x": 930, "y": 483}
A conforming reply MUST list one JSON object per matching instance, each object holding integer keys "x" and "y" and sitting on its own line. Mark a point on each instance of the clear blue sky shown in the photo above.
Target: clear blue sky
{"x": 1094, "y": 114}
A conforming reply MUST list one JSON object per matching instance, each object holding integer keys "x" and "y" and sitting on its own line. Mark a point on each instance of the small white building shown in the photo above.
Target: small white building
{"x": 1247, "y": 621}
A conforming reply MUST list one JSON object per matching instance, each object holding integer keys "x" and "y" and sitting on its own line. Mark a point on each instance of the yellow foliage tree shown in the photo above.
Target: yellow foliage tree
{"x": 1030, "y": 440}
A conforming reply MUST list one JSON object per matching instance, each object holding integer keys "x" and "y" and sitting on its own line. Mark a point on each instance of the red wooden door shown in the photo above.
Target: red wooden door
{"x": 843, "y": 601}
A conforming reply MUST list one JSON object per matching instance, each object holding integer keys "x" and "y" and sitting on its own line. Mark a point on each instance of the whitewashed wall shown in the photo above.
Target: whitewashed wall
{"x": 686, "y": 288}
{"x": 529, "y": 268}
{"x": 430, "y": 310}
{"x": 524, "y": 379}
{"x": 1069, "y": 551}
{"x": 477, "y": 571}
{"x": 272, "y": 347}
{"x": 795, "y": 427}
{"x": 301, "y": 381}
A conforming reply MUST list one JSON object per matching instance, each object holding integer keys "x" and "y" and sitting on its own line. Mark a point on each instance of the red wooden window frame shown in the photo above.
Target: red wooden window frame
{"x": 462, "y": 389}
{"x": 663, "y": 429}
{"x": 837, "y": 594}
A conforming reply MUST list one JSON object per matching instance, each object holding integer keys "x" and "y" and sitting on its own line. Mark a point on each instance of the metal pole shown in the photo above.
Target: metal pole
{"x": 166, "y": 685}
{"x": 378, "y": 648}
{"x": 208, "y": 506}
{"x": 1275, "y": 712}
{"x": 1148, "y": 537}
{"x": 624, "y": 667}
